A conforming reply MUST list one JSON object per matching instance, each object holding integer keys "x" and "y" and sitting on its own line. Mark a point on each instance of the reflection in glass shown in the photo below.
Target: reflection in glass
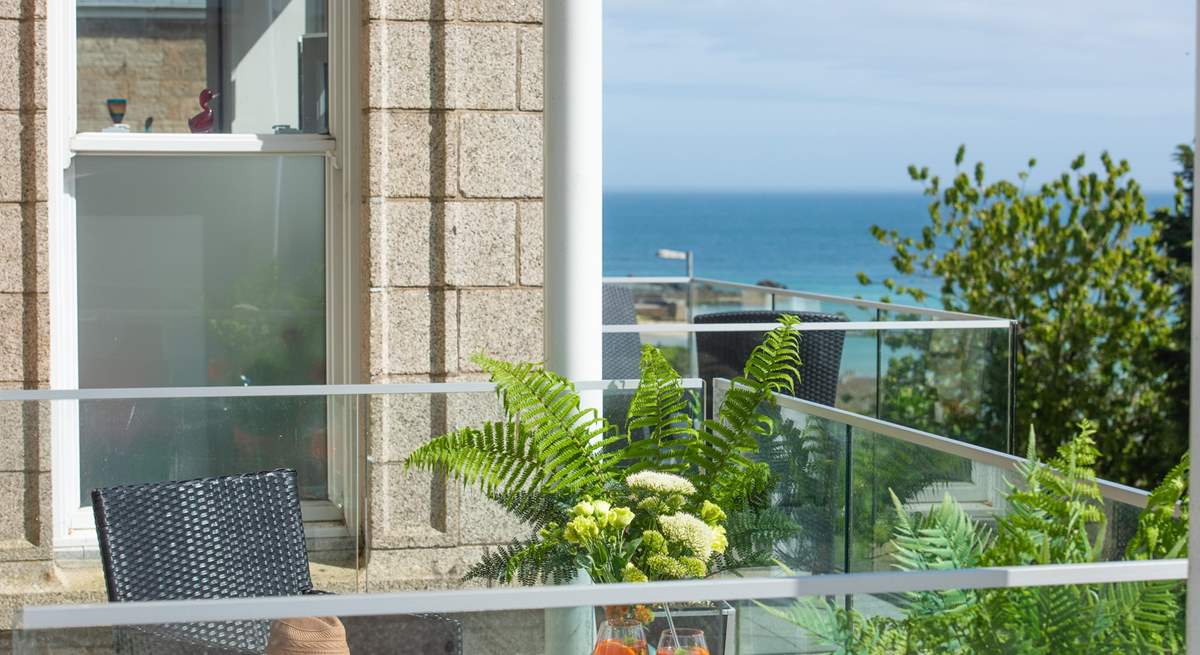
{"x": 265, "y": 64}
{"x": 201, "y": 271}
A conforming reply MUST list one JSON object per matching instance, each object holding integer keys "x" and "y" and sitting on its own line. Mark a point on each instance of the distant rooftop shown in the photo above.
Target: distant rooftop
{"x": 141, "y": 8}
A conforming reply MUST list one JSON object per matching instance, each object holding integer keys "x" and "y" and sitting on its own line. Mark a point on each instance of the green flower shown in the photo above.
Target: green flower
{"x": 695, "y": 568}
{"x": 581, "y": 529}
{"x": 583, "y": 508}
{"x": 632, "y": 573}
{"x": 720, "y": 540}
{"x": 549, "y": 533}
{"x": 652, "y": 505}
{"x": 621, "y": 517}
{"x": 601, "y": 506}
{"x": 665, "y": 568}
{"x": 675, "y": 502}
{"x": 712, "y": 513}
{"x": 654, "y": 542}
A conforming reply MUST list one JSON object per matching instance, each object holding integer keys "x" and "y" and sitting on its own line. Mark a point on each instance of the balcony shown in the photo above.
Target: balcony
{"x": 944, "y": 372}
{"x": 835, "y": 467}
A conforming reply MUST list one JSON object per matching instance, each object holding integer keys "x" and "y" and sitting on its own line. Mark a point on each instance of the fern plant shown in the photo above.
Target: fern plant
{"x": 550, "y": 452}
{"x": 1056, "y": 516}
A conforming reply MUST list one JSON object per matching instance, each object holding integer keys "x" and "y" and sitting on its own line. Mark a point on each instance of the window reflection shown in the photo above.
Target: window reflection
{"x": 144, "y": 65}
{"x": 201, "y": 271}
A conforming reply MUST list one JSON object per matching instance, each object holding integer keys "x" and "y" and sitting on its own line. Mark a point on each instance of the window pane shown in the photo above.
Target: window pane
{"x": 266, "y": 61}
{"x": 201, "y": 271}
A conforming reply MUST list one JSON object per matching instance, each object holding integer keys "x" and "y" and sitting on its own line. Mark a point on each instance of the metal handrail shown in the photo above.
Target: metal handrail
{"x": 807, "y": 295}
{"x": 300, "y": 390}
{"x": 840, "y": 326}
{"x": 66, "y": 617}
{"x": 1111, "y": 490}
{"x": 858, "y": 302}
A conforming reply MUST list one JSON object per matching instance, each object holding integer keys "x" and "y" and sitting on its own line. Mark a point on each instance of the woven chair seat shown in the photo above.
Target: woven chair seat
{"x": 724, "y": 354}
{"x": 238, "y": 536}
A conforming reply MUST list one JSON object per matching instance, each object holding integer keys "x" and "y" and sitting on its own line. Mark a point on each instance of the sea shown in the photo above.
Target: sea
{"x": 815, "y": 242}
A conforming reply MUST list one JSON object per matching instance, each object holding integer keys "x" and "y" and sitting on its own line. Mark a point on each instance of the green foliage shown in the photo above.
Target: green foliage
{"x": 808, "y": 470}
{"x": 754, "y": 537}
{"x": 1075, "y": 262}
{"x": 949, "y": 382}
{"x": 660, "y": 407}
{"x": 719, "y": 455}
{"x": 845, "y": 632}
{"x": 944, "y": 539}
{"x": 549, "y": 452}
{"x": 526, "y": 561}
{"x": 1174, "y": 239}
{"x": 1054, "y": 512}
{"x": 1163, "y": 525}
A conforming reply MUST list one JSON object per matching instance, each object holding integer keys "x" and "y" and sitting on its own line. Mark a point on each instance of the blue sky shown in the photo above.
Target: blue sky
{"x": 844, "y": 94}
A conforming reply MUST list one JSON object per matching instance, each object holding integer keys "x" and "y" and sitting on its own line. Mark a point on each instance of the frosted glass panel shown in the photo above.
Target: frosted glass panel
{"x": 201, "y": 271}
{"x": 143, "y": 65}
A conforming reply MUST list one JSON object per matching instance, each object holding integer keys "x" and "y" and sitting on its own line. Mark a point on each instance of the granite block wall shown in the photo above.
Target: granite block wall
{"x": 452, "y": 96}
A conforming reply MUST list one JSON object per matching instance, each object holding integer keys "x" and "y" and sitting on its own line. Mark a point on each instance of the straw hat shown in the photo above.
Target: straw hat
{"x": 319, "y": 635}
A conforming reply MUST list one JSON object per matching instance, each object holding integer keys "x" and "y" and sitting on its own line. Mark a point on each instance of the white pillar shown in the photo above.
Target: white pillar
{"x": 1193, "y": 581}
{"x": 573, "y": 264}
{"x": 573, "y": 184}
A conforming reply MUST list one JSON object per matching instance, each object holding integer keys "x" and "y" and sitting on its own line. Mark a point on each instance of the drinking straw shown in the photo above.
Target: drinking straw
{"x": 671, "y": 625}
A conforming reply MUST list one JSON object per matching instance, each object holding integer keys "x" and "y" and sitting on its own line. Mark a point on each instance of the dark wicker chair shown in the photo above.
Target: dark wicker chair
{"x": 724, "y": 354}
{"x": 237, "y": 536}
{"x": 622, "y": 351}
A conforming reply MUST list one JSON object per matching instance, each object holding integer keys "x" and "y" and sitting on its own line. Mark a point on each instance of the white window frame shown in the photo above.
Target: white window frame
{"x": 74, "y": 529}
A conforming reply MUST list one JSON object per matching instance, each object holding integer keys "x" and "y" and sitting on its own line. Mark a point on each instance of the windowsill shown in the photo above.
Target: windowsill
{"x": 179, "y": 143}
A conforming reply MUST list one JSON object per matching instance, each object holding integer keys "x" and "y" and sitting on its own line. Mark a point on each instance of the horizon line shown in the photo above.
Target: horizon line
{"x": 795, "y": 191}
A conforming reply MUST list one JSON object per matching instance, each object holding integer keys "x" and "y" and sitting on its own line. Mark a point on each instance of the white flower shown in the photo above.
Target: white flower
{"x": 661, "y": 483}
{"x": 690, "y": 531}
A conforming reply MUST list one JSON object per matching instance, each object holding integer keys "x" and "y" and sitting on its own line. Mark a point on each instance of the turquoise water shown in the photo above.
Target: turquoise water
{"x": 810, "y": 241}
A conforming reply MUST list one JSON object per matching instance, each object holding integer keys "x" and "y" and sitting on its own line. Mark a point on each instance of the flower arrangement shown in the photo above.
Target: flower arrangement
{"x": 669, "y": 497}
{"x": 655, "y": 540}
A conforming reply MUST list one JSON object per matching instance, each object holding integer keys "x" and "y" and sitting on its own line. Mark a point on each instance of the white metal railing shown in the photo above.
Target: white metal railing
{"x": 978, "y": 454}
{"x": 286, "y": 391}
{"x": 64, "y": 617}
{"x": 841, "y": 326}
{"x": 805, "y": 295}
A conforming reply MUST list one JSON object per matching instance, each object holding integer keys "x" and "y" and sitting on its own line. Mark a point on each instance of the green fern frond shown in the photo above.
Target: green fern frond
{"x": 535, "y": 509}
{"x": 565, "y": 436}
{"x": 498, "y": 457}
{"x": 944, "y": 539}
{"x": 753, "y": 538}
{"x": 1053, "y": 516}
{"x": 721, "y": 445}
{"x": 526, "y": 562}
{"x": 661, "y": 409}
{"x": 1162, "y": 526}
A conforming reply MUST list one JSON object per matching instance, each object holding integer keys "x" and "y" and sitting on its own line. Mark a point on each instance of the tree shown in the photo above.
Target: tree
{"x": 1175, "y": 240}
{"x": 1075, "y": 263}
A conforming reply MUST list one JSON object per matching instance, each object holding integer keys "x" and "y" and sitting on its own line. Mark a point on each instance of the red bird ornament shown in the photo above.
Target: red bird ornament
{"x": 203, "y": 122}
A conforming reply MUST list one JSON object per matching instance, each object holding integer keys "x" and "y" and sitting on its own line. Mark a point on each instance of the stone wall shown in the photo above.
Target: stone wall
{"x": 25, "y": 525}
{"x": 452, "y": 153}
{"x": 158, "y": 65}
{"x": 453, "y": 145}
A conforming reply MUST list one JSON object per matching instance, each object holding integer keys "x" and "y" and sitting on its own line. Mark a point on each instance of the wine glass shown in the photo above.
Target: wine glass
{"x": 621, "y": 637}
{"x": 682, "y": 641}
